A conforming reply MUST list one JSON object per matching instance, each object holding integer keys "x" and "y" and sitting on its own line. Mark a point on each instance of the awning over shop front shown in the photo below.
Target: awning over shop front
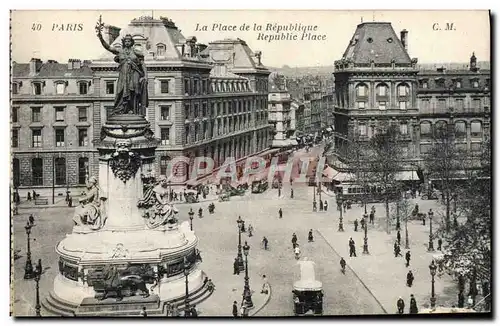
{"x": 407, "y": 176}
{"x": 334, "y": 175}
{"x": 329, "y": 173}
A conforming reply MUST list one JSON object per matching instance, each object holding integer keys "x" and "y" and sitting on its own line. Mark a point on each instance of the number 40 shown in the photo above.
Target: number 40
{"x": 36, "y": 27}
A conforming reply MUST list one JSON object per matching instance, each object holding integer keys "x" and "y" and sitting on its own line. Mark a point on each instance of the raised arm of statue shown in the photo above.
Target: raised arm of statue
{"x": 99, "y": 27}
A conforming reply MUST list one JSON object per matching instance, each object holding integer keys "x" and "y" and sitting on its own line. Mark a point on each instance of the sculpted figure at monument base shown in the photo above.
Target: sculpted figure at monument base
{"x": 90, "y": 212}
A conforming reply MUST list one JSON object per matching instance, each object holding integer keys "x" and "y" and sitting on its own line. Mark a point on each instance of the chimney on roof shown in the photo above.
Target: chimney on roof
{"x": 86, "y": 63}
{"x": 70, "y": 64}
{"x": 404, "y": 39}
{"x": 77, "y": 64}
{"x": 35, "y": 65}
{"x": 473, "y": 63}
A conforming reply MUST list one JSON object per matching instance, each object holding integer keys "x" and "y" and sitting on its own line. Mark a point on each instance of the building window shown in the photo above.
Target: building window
{"x": 459, "y": 105}
{"x": 204, "y": 89}
{"x": 59, "y": 113}
{"x": 164, "y": 164}
{"x": 82, "y": 114}
{"x": 164, "y": 86}
{"x": 475, "y": 83}
{"x": 460, "y": 130}
{"x": 196, "y": 87}
{"x": 403, "y": 90}
{"x": 204, "y": 110}
{"x": 440, "y": 83}
{"x": 186, "y": 86}
{"x": 442, "y": 105}
{"x": 187, "y": 111}
{"x": 458, "y": 84}
{"x": 83, "y": 87}
{"x": 476, "y": 130}
{"x": 59, "y": 137}
{"x": 110, "y": 87}
{"x": 361, "y": 105}
{"x": 60, "y": 167}
{"x": 425, "y": 130}
{"x": 83, "y": 170}
{"x": 165, "y": 136}
{"x": 16, "y": 172}
{"x": 196, "y": 110}
{"x": 15, "y": 138}
{"x": 402, "y": 105}
{"x": 403, "y": 128}
{"x": 160, "y": 50}
{"x": 36, "y": 114}
{"x": 382, "y": 90}
{"x": 362, "y": 129}
{"x": 425, "y": 105}
{"x": 60, "y": 87}
{"x": 36, "y": 138}
{"x": 15, "y": 111}
{"x": 15, "y": 88}
{"x": 83, "y": 137}
{"x": 165, "y": 112}
{"x": 425, "y": 84}
{"x": 37, "y": 88}
{"x": 476, "y": 105}
{"x": 37, "y": 171}
{"x": 381, "y": 105}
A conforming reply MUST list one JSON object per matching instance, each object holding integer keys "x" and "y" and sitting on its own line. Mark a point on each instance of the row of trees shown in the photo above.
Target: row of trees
{"x": 464, "y": 179}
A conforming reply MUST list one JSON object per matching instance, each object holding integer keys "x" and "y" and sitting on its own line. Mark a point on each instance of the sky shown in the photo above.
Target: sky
{"x": 32, "y": 33}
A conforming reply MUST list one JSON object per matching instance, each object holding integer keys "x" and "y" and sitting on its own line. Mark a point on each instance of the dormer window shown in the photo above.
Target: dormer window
{"x": 160, "y": 50}
{"x": 83, "y": 87}
{"x": 37, "y": 88}
{"x": 60, "y": 87}
{"x": 475, "y": 83}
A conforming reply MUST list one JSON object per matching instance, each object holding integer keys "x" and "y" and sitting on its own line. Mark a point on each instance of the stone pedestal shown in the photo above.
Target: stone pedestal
{"x": 124, "y": 241}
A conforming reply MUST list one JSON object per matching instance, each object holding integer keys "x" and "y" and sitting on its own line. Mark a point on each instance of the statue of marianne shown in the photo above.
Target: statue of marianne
{"x": 131, "y": 89}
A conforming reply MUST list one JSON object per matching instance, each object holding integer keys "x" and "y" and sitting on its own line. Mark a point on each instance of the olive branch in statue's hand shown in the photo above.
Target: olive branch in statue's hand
{"x": 99, "y": 26}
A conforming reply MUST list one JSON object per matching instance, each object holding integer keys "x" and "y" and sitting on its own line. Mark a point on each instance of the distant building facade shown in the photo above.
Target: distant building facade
{"x": 203, "y": 100}
{"x": 281, "y": 115}
{"x": 376, "y": 82}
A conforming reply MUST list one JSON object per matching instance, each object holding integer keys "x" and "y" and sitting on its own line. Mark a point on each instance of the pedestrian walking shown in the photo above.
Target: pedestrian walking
{"x": 363, "y": 223}
{"x": 423, "y": 219}
{"x": 28, "y": 198}
{"x": 291, "y": 193}
{"x": 314, "y": 206}
{"x": 408, "y": 257}
{"x": 409, "y": 279}
{"x": 401, "y": 306}
{"x": 413, "y": 305}
{"x": 70, "y": 202}
{"x": 243, "y": 229}
{"x": 352, "y": 248}
{"x": 143, "y": 312}
{"x": 193, "y": 311}
{"x": 34, "y": 195}
{"x": 342, "y": 265}
{"x": 297, "y": 251}
{"x": 236, "y": 267}
{"x": 265, "y": 285}
{"x": 356, "y": 225}
{"x": 264, "y": 242}
{"x": 294, "y": 239}
{"x": 372, "y": 217}
{"x": 310, "y": 237}
{"x": 320, "y": 205}
{"x": 326, "y": 206}
{"x": 440, "y": 243}
{"x": 280, "y": 213}
{"x": 200, "y": 212}
{"x": 398, "y": 237}
{"x": 250, "y": 230}
{"x": 397, "y": 249}
{"x": 31, "y": 219}
{"x": 235, "y": 309}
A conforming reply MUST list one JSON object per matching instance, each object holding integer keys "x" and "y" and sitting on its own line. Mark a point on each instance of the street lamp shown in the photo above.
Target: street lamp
{"x": 431, "y": 241}
{"x": 398, "y": 222}
{"x": 432, "y": 268}
{"x": 247, "y": 295}
{"x": 186, "y": 299}
{"x": 341, "y": 225}
{"x": 314, "y": 194}
{"x": 28, "y": 268}
{"x": 191, "y": 214}
{"x": 365, "y": 244}
{"x": 407, "y": 241}
{"x": 239, "y": 257}
{"x": 38, "y": 273}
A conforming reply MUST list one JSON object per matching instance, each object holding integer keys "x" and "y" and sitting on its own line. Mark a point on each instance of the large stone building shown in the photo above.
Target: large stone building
{"x": 281, "y": 115}
{"x": 203, "y": 100}
{"x": 377, "y": 82}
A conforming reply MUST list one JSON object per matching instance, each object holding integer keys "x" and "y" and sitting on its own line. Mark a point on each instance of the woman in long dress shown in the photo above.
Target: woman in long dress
{"x": 131, "y": 89}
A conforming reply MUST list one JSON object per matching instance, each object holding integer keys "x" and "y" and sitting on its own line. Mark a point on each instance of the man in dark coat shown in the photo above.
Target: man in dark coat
{"x": 409, "y": 279}
{"x": 356, "y": 225}
{"x": 398, "y": 237}
{"x": 194, "y": 312}
{"x": 310, "y": 237}
{"x": 31, "y": 219}
{"x": 236, "y": 267}
{"x": 372, "y": 217}
{"x": 352, "y": 248}
{"x": 407, "y": 257}
{"x": 325, "y": 205}
{"x": 401, "y": 305}
{"x": 280, "y": 213}
{"x": 320, "y": 205}
{"x": 291, "y": 193}
{"x": 440, "y": 244}
{"x": 423, "y": 219}
{"x": 294, "y": 240}
{"x": 363, "y": 224}
{"x": 413, "y": 305}
{"x": 235, "y": 309}
{"x": 200, "y": 212}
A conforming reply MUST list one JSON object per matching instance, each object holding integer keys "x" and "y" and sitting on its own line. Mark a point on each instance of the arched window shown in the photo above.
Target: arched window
{"x": 362, "y": 90}
{"x": 60, "y": 167}
{"x": 476, "y": 130}
{"x": 403, "y": 90}
{"x": 460, "y": 130}
{"x": 382, "y": 90}
{"x": 37, "y": 171}
{"x": 160, "y": 49}
{"x": 441, "y": 130}
{"x": 425, "y": 129}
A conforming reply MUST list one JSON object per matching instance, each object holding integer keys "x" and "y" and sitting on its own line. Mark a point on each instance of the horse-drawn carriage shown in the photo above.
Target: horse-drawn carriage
{"x": 190, "y": 196}
{"x": 259, "y": 186}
